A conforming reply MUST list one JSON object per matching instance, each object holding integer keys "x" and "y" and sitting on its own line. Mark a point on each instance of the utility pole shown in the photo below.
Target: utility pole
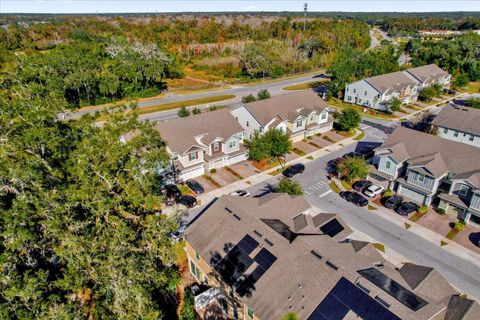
{"x": 305, "y": 8}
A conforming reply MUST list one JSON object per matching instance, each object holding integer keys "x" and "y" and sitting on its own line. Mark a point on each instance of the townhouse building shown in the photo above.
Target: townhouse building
{"x": 458, "y": 123}
{"x": 428, "y": 169}
{"x": 300, "y": 114}
{"x": 376, "y": 92}
{"x": 260, "y": 258}
{"x": 202, "y": 142}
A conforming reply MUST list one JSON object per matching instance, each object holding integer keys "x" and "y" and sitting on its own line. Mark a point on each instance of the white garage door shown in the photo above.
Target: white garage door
{"x": 412, "y": 194}
{"x": 191, "y": 173}
{"x": 236, "y": 159}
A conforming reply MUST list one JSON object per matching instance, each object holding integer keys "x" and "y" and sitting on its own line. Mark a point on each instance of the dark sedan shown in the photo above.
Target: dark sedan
{"x": 361, "y": 185}
{"x": 393, "y": 201}
{"x": 195, "y": 186}
{"x": 187, "y": 200}
{"x": 293, "y": 170}
{"x": 172, "y": 191}
{"x": 406, "y": 208}
{"x": 355, "y": 198}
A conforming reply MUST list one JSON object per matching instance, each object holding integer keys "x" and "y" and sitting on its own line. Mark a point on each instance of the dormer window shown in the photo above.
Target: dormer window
{"x": 324, "y": 116}
{"x": 193, "y": 156}
{"x": 299, "y": 123}
{"x": 463, "y": 190}
{"x": 216, "y": 146}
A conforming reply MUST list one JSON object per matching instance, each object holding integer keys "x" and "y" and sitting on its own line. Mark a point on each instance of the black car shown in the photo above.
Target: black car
{"x": 393, "y": 201}
{"x": 187, "y": 200}
{"x": 333, "y": 163}
{"x": 355, "y": 198}
{"x": 450, "y": 91}
{"x": 172, "y": 191}
{"x": 361, "y": 185}
{"x": 195, "y": 186}
{"x": 293, "y": 170}
{"x": 406, "y": 208}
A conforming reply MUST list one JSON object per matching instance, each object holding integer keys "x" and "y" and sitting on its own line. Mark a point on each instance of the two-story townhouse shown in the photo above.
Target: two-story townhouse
{"x": 202, "y": 142}
{"x": 426, "y": 168}
{"x": 300, "y": 114}
{"x": 375, "y": 92}
{"x": 458, "y": 123}
{"x": 261, "y": 258}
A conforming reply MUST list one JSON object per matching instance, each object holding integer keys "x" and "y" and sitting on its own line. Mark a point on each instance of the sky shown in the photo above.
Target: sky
{"x": 121, "y": 6}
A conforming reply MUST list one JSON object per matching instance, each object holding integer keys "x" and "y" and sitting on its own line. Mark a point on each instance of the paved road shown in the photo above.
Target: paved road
{"x": 461, "y": 273}
{"x": 274, "y": 87}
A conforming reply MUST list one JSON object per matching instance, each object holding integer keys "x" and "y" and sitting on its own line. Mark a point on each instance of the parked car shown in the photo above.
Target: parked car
{"x": 187, "y": 200}
{"x": 195, "y": 186}
{"x": 373, "y": 191}
{"x": 240, "y": 193}
{"x": 393, "y": 201}
{"x": 355, "y": 198}
{"x": 406, "y": 208}
{"x": 333, "y": 163}
{"x": 361, "y": 185}
{"x": 450, "y": 91}
{"x": 172, "y": 191}
{"x": 263, "y": 193}
{"x": 293, "y": 170}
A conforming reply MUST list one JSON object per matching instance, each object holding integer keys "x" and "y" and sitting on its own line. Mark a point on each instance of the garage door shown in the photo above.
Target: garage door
{"x": 412, "y": 194}
{"x": 191, "y": 173}
{"x": 236, "y": 159}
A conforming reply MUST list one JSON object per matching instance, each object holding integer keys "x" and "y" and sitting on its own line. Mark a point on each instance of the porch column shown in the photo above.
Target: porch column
{"x": 467, "y": 217}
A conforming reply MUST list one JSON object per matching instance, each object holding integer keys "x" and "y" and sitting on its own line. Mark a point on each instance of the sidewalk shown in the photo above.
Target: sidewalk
{"x": 427, "y": 234}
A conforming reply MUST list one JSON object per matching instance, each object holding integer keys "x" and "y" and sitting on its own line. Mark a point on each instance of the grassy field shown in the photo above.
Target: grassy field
{"x": 307, "y": 85}
{"x": 472, "y": 87}
{"x": 178, "y": 105}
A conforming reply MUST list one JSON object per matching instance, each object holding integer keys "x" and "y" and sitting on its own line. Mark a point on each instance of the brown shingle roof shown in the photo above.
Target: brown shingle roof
{"x": 414, "y": 274}
{"x": 437, "y": 154}
{"x": 429, "y": 72}
{"x": 287, "y": 106}
{"x": 180, "y": 133}
{"x": 459, "y": 118}
{"x": 394, "y": 80}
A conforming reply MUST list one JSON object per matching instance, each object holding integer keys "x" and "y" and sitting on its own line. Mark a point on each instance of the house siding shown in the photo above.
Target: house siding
{"x": 428, "y": 183}
{"x": 475, "y": 201}
{"x": 372, "y": 99}
{"x": 382, "y": 166}
{"x": 463, "y": 137}
{"x": 246, "y": 120}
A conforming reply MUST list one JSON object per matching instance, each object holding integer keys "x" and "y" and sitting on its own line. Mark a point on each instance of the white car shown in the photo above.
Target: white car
{"x": 373, "y": 190}
{"x": 240, "y": 193}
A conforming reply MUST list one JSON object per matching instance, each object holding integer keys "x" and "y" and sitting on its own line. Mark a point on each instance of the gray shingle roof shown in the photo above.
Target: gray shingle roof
{"x": 459, "y": 118}
{"x": 394, "y": 80}
{"x": 414, "y": 274}
{"x": 427, "y": 73}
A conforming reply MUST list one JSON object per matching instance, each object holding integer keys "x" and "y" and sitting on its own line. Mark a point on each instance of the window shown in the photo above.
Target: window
{"x": 216, "y": 146}
{"x": 421, "y": 178}
{"x": 378, "y": 95}
{"x": 471, "y": 137}
{"x": 455, "y": 134}
{"x": 299, "y": 123}
{"x": 349, "y": 98}
{"x": 359, "y": 100}
{"x": 195, "y": 271}
{"x": 324, "y": 116}
{"x": 248, "y": 124}
{"x": 249, "y": 312}
{"x": 347, "y": 89}
{"x": 193, "y": 156}
{"x": 365, "y": 92}
{"x": 232, "y": 144}
{"x": 354, "y": 90}
{"x": 236, "y": 118}
{"x": 387, "y": 164}
{"x": 445, "y": 130}
{"x": 463, "y": 190}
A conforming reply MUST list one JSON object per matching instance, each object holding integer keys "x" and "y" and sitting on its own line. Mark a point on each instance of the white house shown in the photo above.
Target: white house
{"x": 375, "y": 92}
{"x": 300, "y": 114}
{"x": 459, "y": 123}
{"x": 203, "y": 142}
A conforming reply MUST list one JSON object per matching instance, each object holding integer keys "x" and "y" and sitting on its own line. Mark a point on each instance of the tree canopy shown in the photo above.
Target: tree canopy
{"x": 348, "y": 119}
{"x": 353, "y": 168}
{"x": 273, "y": 144}
{"x": 289, "y": 186}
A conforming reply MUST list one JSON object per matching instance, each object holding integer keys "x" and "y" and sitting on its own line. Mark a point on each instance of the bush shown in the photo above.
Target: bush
{"x": 348, "y": 120}
{"x": 249, "y": 98}
{"x": 263, "y": 94}
{"x": 473, "y": 103}
{"x": 183, "y": 112}
{"x": 188, "y": 308}
{"x": 291, "y": 187}
{"x": 388, "y": 193}
{"x": 441, "y": 211}
{"x": 196, "y": 111}
{"x": 461, "y": 80}
{"x": 459, "y": 226}
{"x": 213, "y": 170}
{"x": 422, "y": 209}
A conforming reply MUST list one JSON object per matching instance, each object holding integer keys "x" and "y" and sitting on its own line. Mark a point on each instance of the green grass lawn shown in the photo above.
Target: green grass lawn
{"x": 472, "y": 87}
{"x": 303, "y": 86}
{"x": 334, "y": 187}
{"x": 360, "y": 136}
{"x": 298, "y": 151}
{"x": 337, "y": 103}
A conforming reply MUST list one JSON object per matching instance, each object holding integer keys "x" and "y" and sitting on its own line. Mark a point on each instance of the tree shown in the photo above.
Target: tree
{"x": 426, "y": 94}
{"x": 80, "y": 229}
{"x": 348, "y": 119}
{"x": 196, "y": 111}
{"x": 188, "y": 308}
{"x": 278, "y": 142}
{"x": 473, "y": 103}
{"x": 257, "y": 147}
{"x": 183, "y": 112}
{"x": 395, "y": 104}
{"x": 353, "y": 168}
{"x": 292, "y": 187}
{"x": 263, "y": 94}
{"x": 249, "y": 98}
{"x": 461, "y": 80}
{"x": 290, "y": 316}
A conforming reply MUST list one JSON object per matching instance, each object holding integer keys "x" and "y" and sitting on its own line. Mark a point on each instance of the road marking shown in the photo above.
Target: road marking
{"x": 324, "y": 194}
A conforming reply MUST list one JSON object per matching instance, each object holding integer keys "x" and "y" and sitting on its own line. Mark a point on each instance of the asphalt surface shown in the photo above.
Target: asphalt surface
{"x": 461, "y": 273}
{"x": 274, "y": 87}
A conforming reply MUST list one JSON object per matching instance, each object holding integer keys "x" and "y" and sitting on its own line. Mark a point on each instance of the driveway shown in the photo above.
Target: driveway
{"x": 244, "y": 168}
{"x": 223, "y": 177}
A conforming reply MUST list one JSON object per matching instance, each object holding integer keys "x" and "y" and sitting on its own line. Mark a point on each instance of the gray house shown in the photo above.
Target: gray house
{"x": 375, "y": 92}
{"x": 428, "y": 169}
{"x": 458, "y": 123}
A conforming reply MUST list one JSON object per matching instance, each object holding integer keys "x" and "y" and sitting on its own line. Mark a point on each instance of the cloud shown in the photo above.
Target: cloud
{"x": 251, "y": 7}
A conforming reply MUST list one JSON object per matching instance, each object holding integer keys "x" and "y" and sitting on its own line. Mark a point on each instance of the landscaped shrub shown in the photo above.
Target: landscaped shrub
{"x": 441, "y": 211}
{"x": 388, "y": 193}
{"x": 423, "y": 209}
{"x": 213, "y": 170}
{"x": 459, "y": 226}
